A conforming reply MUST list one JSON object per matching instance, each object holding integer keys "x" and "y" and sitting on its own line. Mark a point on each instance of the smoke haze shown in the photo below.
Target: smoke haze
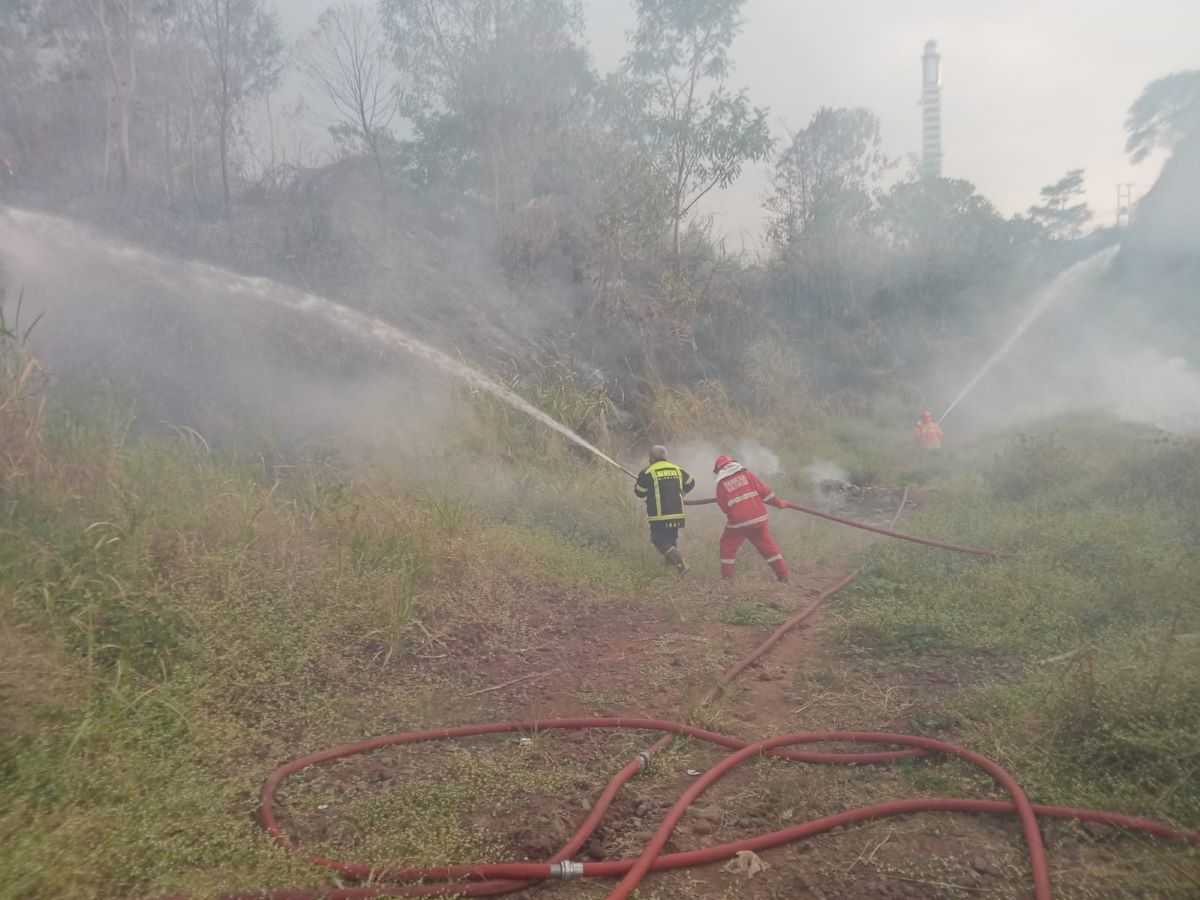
{"x": 1094, "y": 350}
{"x": 900, "y": 294}
{"x": 1014, "y": 73}
{"x": 197, "y": 340}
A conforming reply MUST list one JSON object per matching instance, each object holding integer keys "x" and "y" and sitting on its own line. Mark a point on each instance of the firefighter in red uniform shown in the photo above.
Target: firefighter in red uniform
{"x": 928, "y": 432}
{"x": 741, "y": 496}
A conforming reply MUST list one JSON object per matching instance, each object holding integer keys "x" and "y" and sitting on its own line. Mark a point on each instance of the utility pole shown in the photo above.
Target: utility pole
{"x": 1124, "y": 205}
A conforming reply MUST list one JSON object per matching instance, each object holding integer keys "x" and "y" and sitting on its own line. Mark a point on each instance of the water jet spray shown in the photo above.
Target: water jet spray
{"x": 1042, "y": 301}
{"x": 68, "y": 236}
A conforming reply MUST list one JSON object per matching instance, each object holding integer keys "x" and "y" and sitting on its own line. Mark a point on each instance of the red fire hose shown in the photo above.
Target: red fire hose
{"x": 878, "y": 529}
{"x": 491, "y": 879}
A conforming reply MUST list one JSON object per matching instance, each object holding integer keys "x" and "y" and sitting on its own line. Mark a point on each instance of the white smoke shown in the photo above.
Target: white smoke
{"x": 1081, "y": 272}
{"x": 1089, "y": 354}
{"x": 757, "y": 458}
{"x": 825, "y": 470}
{"x": 1149, "y": 388}
{"x": 67, "y": 261}
{"x": 1143, "y": 386}
{"x": 697, "y": 456}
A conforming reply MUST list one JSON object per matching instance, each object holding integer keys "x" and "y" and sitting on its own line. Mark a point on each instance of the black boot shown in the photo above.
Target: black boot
{"x": 675, "y": 558}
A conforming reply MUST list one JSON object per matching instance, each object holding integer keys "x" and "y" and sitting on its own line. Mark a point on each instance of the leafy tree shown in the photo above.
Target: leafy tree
{"x": 945, "y": 219}
{"x": 1167, "y": 112}
{"x": 492, "y": 86}
{"x": 48, "y": 110}
{"x": 346, "y": 58}
{"x": 824, "y": 210}
{"x": 828, "y": 173}
{"x": 1161, "y": 252}
{"x": 699, "y": 135}
{"x": 23, "y": 29}
{"x": 242, "y": 40}
{"x": 1062, "y": 218}
{"x": 956, "y": 267}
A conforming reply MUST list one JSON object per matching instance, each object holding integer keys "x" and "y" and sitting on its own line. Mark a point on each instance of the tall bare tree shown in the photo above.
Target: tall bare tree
{"x": 347, "y": 59}
{"x": 116, "y": 23}
{"x": 242, "y": 39}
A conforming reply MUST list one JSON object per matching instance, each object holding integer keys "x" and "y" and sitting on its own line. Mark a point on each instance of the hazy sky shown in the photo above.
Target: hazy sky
{"x": 1031, "y": 88}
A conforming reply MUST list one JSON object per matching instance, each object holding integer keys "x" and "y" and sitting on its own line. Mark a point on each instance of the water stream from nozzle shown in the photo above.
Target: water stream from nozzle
{"x": 1042, "y": 301}
{"x": 66, "y": 235}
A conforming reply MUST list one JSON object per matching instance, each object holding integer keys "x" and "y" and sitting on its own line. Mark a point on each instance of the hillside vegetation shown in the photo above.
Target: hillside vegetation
{"x": 1093, "y": 630}
{"x": 175, "y": 621}
{"x": 504, "y": 195}
{"x": 231, "y": 533}
{"x": 175, "y": 618}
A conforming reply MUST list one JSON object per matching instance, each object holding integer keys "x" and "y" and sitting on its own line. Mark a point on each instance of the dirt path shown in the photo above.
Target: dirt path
{"x": 557, "y": 654}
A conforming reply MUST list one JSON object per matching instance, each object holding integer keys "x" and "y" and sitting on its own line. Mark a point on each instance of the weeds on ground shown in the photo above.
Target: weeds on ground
{"x": 1082, "y": 651}
{"x": 22, "y": 407}
{"x": 175, "y": 620}
{"x": 753, "y": 616}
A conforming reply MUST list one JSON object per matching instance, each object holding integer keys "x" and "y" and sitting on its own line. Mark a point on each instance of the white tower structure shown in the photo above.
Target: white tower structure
{"x": 931, "y": 112}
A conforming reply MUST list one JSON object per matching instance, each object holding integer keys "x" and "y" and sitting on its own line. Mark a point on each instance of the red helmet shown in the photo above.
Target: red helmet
{"x": 722, "y": 462}
{"x": 926, "y": 416}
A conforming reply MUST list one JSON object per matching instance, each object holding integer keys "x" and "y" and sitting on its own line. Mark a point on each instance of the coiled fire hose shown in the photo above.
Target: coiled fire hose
{"x": 500, "y": 878}
{"x": 486, "y": 880}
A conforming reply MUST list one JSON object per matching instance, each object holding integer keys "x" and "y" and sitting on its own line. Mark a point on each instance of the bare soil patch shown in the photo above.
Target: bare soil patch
{"x": 566, "y": 653}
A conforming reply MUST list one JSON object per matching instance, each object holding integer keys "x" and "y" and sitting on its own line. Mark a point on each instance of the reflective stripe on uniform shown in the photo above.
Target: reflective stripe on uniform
{"x": 655, "y": 471}
{"x": 740, "y": 497}
{"x": 775, "y": 558}
{"x": 663, "y": 468}
{"x": 728, "y": 562}
{"x": 770, "y": 496}
{"x": 748, "y": 523}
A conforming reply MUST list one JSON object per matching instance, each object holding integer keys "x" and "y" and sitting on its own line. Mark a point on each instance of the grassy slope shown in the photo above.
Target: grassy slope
{"x": 1093, "y": 632}
{"x": 171, "y": 617}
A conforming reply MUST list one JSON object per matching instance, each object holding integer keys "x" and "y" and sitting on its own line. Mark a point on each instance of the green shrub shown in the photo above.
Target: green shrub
{"x": 1102, "y": 587}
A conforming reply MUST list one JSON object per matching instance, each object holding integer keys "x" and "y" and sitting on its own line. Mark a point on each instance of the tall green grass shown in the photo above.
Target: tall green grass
{"x": 175, "y": 620}
{"x": 1082, "y": 653}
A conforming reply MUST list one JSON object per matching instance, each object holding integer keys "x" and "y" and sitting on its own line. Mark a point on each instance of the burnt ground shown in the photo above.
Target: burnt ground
{"x": 567, "y": 653}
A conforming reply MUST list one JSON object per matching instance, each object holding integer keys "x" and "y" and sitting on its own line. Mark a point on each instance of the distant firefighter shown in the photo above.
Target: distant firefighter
{"x": 742, "y": 497}
{"x": 928, "y": 432}
{"x": 662, "y": 485}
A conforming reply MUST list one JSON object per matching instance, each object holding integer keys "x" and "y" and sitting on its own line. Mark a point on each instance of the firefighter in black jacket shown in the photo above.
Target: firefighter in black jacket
{"x": 662, "y": 485}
